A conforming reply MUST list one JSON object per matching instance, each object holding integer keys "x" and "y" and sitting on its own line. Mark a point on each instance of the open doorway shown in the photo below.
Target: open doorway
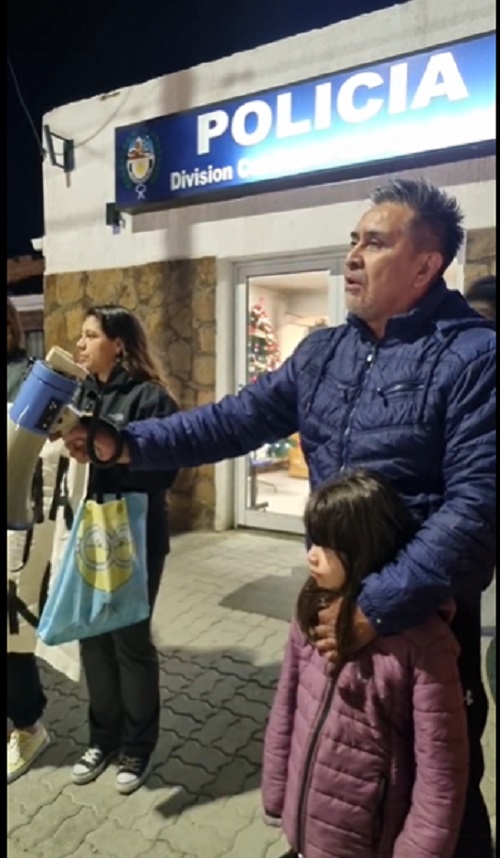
{"x": 280, "y": 309}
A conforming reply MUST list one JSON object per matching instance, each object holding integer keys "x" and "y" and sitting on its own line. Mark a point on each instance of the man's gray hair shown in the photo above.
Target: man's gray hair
{"x": 438, "y": 217}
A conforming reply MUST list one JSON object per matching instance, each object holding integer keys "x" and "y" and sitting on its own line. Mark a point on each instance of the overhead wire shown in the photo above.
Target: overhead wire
{"x": 25, "y": 108}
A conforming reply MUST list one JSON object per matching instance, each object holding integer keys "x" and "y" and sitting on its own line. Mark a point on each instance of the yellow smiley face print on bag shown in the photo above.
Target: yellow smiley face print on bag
{"x": 105, "y": 550}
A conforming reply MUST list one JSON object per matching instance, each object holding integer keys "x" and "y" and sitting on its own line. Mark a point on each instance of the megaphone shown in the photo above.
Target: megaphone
{"x": 41, "y": 408}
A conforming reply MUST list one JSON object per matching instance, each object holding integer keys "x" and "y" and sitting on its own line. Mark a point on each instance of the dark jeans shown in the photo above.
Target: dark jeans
{"x": 25, "y": 698}
{"x": 475, "y": 838}
{"x": 123, "y": 679}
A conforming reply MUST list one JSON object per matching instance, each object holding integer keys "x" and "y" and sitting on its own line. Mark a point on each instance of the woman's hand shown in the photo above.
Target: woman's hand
{"x": 77, "y": 448}
{"x": 326, "y": 639}
{"x": 104, "y": 445}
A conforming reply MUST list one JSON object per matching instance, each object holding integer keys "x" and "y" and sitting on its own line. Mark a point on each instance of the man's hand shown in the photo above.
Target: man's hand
{"x": 104, "y": 445}
{"x": 363, "y": 632}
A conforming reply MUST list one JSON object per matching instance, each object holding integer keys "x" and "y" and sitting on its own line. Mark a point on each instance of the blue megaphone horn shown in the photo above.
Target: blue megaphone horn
{"x": 42, "y": 408}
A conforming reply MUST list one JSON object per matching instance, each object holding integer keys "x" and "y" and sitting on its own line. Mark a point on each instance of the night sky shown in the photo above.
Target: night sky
{"x": 65, "y": 50}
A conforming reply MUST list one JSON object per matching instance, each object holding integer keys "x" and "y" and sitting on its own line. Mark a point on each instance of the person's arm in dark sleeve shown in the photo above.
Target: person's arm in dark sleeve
{"x": 454, "y": 551}
{"x": 263, "y": 412}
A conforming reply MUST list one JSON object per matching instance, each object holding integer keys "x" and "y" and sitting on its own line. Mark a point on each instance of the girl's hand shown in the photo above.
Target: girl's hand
{"x": 326, "y": 641}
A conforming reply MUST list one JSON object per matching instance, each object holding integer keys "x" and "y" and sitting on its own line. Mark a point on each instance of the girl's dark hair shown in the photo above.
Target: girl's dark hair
{"x": 16, "y": 330}
{"x": 119, "y": 323}
{"x": 367, "y": 523}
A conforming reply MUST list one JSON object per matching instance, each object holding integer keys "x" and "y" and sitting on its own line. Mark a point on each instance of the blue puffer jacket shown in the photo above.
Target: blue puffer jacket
{"x": 417, "y": 406}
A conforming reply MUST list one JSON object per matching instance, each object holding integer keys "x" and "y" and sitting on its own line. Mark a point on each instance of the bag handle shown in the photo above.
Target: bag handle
{"x": 17, "y": 608}
{"x": 98, "y": 496}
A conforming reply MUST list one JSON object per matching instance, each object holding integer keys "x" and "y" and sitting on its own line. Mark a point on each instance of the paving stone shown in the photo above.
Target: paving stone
{"x": 215, "y": 818}
{"x": 175, "y": 773}
{"x": 118, "y": 841}
{"x": 240, "y": 706}
{"x": 70, "y": 835}
{"x": 239, "y": 735}
{"x": 27, "y": 794}
{"x": 99, "y": 796}
{"x": 235, "y": 777}
{"x": 86, "y": 850}
{"x": 184, "y": 836}
{"x": 204, "y": 685}
{"x": 158, "y": 851}
{"x": 215, "y": 728}
{"x": 192, "y": 753}
{"x": 15, "y": 850}
{"x": 276, "y": 849}
{"x": 17, "y": 816}
{"x": 169, "y": 804}
{"x": 46, "y": 822}
{"x": 254, "y": 840}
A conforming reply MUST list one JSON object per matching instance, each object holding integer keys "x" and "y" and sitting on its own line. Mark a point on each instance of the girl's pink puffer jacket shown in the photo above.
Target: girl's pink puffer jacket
{"x": 374, "y": 763}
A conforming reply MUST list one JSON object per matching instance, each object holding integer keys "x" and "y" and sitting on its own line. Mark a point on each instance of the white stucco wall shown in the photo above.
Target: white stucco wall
{"x": 76, "y": 236}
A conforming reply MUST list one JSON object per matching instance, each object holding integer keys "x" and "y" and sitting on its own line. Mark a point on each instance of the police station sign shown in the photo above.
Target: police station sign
{"x": 424, "y": 103}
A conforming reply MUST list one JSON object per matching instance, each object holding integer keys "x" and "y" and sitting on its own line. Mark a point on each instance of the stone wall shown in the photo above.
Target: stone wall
{"x": 480, "y": 255}
{"x": 176, "y": 302}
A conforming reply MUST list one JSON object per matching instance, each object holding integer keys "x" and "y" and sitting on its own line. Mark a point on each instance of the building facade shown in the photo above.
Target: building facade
{"x": 229, "y": 278}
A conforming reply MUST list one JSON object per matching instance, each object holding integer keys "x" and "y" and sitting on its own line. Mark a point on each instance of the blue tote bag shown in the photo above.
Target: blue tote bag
{"x": 102, "y": 584}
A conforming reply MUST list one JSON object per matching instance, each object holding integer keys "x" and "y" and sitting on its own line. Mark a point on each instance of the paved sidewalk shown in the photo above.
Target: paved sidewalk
{"x": 219, "y": 666}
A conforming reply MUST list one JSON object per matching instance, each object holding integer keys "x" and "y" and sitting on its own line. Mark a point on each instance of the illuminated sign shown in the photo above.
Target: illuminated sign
{"x": 427, "y": 102}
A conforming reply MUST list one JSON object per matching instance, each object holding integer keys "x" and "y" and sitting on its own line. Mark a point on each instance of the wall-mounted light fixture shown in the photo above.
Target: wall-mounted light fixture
{"x": 114, "y": 217}
{"x": 66, "y": 160}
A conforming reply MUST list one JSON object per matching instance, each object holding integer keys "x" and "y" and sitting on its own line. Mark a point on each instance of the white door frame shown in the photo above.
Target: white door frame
{"x": 332, "y": 261}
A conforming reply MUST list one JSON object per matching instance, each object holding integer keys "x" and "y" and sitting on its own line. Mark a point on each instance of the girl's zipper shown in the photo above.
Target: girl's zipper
{"x": 311, "y": 753}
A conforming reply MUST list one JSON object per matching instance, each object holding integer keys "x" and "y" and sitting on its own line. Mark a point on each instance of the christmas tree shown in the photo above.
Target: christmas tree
{"x": 263, "y": 350}
{"x": 264, "y": 356}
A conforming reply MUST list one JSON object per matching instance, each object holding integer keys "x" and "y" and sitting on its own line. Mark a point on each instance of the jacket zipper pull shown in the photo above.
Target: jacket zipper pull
{"x": 383, "y": 396}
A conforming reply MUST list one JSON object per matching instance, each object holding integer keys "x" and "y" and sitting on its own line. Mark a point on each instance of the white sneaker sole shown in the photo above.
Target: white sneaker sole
{"x": 90, "y": 776}
{"x": 128, "y": 789}
{"x": 13, "y": 776}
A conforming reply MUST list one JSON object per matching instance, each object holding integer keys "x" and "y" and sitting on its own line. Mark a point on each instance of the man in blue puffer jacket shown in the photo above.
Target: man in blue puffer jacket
{"x": 406, "y": 388}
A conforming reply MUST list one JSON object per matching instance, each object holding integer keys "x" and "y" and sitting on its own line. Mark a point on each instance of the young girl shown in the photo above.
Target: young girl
{"x": 369, "y": 758}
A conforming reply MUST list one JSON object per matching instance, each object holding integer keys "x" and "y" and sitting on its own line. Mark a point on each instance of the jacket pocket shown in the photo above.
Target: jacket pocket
{"x": 400, "y": 404}
{"x": 400, "y": 388}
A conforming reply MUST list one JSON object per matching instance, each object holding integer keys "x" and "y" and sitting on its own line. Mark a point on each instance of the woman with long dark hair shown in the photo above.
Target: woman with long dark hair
{"x": 121, "y": 668}
{"x": 370, "y": 757}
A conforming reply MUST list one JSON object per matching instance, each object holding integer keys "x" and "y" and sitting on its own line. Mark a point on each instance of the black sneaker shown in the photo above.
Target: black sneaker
{"x": 132, "y": 772}
{"x": 90, "y": 765}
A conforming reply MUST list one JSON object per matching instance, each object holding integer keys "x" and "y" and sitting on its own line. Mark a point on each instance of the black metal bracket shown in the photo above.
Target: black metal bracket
{"x": 113, "y": 216}
{"x": 68, "y": 153}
